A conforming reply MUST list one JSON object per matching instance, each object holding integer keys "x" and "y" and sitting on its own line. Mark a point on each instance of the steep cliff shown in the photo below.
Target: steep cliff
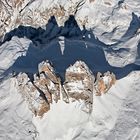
{"x": 46, "y": 87}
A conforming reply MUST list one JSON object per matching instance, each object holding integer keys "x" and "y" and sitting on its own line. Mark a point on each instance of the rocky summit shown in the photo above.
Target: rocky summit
{"x": 46, "y": 87}
{"x": 69, "y": 69}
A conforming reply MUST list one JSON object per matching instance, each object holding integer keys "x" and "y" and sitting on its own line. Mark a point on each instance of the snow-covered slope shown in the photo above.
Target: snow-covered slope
{"x": 79, "y": 38}
{"x": 110, "y": 19}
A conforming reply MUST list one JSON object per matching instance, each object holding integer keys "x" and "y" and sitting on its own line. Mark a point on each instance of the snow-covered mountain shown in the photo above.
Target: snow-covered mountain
{"x": 69, "y": 70}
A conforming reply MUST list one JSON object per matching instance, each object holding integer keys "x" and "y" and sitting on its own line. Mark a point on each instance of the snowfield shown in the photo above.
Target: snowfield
{"x": 109, "y": 40}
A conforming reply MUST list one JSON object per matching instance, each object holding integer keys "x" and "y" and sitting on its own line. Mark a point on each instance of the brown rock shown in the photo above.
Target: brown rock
{"x": 79, "y": 82}
{"x": 104, "y": 82}
{"x": 32, "y": 95}
{"x": 47, "y": 88}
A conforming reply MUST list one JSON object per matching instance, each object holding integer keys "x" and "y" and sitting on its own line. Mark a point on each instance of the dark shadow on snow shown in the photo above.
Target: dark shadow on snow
{"x": 132, "y": 29}
{"x": 78, "y": 45}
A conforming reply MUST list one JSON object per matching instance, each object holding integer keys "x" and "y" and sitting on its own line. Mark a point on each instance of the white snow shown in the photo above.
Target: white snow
{"x": 59, "y": 120}
{"x": 116, "y": 114}
{"x": 11, "y": 50}
{"x": 76, "y": 86}
{"x": 15, "y": 117}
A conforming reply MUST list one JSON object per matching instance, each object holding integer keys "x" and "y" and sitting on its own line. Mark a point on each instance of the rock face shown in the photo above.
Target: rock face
{"x": 47, "y": 88}
{"x": 42, "y": 91}
{"x": 104, "y": 82}
{"x": 36, "y": 101}
{"x": 35, "y": 13}
{"x": 10, "y": 13}
{"x": 48, "y": 82}
{"x": 88, "y": 13}
{"x": 79, "y": 83}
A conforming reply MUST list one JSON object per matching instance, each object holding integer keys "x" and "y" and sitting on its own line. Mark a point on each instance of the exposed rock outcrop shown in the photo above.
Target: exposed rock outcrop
{"x": 35, "y": 13}
{"x": 104, "y": 82}
{"x": 79, "y": 85}
{"x": 42, "y": 91}
{"x": 33, "y": 95}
